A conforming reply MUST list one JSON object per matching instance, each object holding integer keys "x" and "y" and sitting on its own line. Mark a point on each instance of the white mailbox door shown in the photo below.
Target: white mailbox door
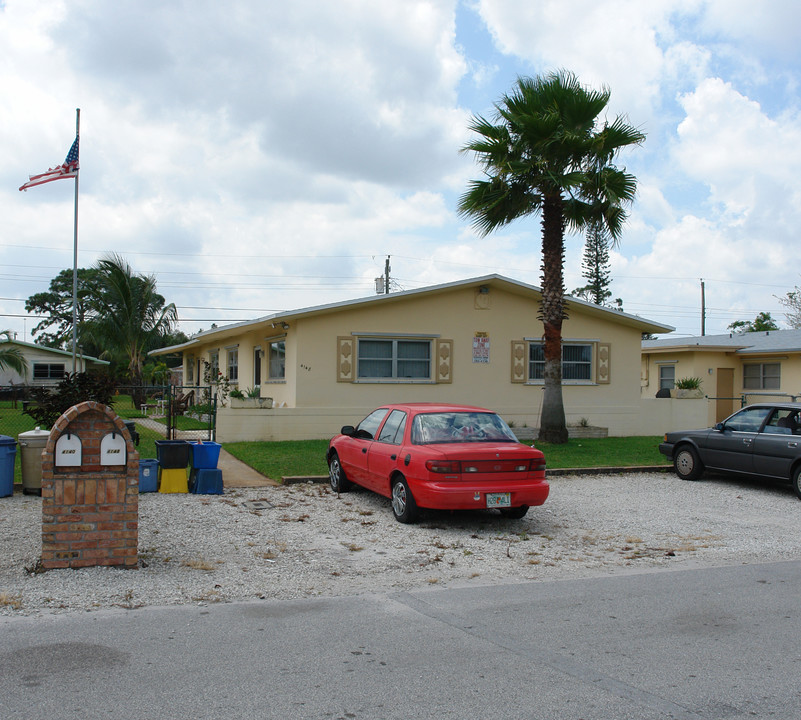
{"x": 112, "y": 449}
{"x": 68, "y": 451}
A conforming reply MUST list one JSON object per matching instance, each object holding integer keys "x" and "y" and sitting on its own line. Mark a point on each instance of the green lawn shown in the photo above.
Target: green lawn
{"x": 282, "y": 459}
{"x": 604, "y": 452}
{"x": 307, "y": 457}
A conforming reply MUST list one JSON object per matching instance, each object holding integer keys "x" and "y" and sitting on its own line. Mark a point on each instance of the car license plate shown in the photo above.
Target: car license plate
{"x": 499, "y": 500}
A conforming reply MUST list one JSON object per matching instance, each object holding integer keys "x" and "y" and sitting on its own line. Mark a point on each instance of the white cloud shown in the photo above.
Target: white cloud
{"x": 267, "y": 155}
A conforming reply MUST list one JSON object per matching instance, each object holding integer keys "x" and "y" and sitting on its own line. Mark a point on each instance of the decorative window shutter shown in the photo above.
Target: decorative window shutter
{"x": 444, "y": 368}
{"x": 519, "y": 361}
{"x": 346, "y": 362}
{"x": 604, "y": 365}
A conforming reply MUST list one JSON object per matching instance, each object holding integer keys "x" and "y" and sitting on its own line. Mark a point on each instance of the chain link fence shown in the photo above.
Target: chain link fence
{"x": 151, "y": 413}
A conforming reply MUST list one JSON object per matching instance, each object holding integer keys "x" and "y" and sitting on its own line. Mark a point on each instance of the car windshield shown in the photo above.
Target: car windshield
{"x": 460, "y": 427}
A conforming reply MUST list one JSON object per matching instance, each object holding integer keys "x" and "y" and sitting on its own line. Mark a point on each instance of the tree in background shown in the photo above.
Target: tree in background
{"x": 595, "y": 268}
{"x": 11, "y": 358}
{"x": 792, "y": 301}
{"x": 547, "y": 153}
{"x": 127, "y": 315}
{"x": 55, "y": 329}
{"x": 762, "y": 323}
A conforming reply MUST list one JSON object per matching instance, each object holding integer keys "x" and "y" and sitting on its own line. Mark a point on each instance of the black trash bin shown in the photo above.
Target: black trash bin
{"x": 173, "y": 453}
{"x": 130, "y": 425}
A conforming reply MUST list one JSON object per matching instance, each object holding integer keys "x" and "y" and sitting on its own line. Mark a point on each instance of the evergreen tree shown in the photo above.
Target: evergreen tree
{"x": 595, "y": 267}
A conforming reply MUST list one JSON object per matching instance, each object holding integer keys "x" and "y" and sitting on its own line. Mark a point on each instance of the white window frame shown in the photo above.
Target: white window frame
{"x": 763, "y": 379}
{"x": 214, "y": 365}
{"x": 530, "y": 364}
{"x": 232, "y": 363}
{"x": 55, "y": 371}
{"x": 394, "y": 342}
{"x": 278, "y": 354}
{"x": 667, "y": 383}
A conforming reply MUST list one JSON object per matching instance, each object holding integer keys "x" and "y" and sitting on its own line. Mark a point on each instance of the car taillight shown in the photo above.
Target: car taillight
{"x": 444, "y": 466}
{"x": 537, "y": 464}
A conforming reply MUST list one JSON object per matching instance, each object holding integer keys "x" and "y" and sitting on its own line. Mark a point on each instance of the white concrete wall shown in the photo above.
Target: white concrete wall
{"x": 661, "y": 415}
{"x": 649, "y": 417}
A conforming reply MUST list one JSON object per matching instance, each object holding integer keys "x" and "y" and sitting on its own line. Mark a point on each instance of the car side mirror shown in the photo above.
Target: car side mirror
{"x": 348, "y": 430}
{"x": 719, "y": 427}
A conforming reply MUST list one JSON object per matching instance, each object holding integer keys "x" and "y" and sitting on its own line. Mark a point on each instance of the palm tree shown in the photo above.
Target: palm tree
{"x": 128, "y": 314}
{"x": 547, "y": 153}
{"x": 11, "y": 357}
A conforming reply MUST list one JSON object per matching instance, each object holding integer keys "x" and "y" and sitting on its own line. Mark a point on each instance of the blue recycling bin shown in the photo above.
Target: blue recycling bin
{"x": 148, "y": 475}
{"x": 206, "y": 481}
{"x": 8, "y": 454}
{"x": 205, "y": 455}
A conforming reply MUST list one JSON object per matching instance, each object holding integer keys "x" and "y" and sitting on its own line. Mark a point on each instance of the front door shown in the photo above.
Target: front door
{"x": 724, "y": 402}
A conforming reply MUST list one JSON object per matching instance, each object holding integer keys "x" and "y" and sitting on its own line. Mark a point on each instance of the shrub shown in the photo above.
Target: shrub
{"x": 688, "y": 383}
{"x": 50, "y": 403}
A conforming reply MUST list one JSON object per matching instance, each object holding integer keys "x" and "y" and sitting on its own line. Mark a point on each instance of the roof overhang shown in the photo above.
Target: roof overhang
{"x": 489, "y": 281}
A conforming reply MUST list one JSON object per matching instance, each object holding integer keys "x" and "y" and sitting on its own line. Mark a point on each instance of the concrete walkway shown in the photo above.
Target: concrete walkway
{"x": 238, "y": 474}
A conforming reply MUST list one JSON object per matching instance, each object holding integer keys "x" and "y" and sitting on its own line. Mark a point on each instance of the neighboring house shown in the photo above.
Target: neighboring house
{"x": 733, "y": 368}
{"x": 46, "y": 366}
{"x": 473, "y": 341}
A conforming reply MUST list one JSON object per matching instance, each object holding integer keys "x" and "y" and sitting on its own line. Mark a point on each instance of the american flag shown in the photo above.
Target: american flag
{"x": 68, "y": 169}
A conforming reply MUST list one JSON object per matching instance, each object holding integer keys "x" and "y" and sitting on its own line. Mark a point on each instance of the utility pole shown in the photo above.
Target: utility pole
{"x": 703, "y": 309}
{"x": 386, "y": 275}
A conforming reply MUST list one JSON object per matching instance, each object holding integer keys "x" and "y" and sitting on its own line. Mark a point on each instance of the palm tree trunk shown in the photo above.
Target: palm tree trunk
{"x": 553, "y": 427}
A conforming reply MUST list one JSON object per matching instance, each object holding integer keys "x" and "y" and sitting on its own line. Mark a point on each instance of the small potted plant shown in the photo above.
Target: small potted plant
{"x": 689, "y": 387}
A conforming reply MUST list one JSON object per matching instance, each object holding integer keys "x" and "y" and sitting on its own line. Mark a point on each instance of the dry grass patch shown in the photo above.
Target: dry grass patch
{"x": 199, "y": 564}
{"x": 9, "y": 600}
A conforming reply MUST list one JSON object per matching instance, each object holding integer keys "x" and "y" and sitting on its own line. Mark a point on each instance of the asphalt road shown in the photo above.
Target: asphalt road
{"x": 706, "y": 643}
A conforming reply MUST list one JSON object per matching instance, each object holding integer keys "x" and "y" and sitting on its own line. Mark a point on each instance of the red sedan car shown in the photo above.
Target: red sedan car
{"x": 447, "y": 457}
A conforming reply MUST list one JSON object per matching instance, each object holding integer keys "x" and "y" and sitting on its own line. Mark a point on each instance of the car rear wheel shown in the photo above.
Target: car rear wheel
{"x": 403, "y": 505}
{"x": 336, "y": 475}
{"x": 687, "y": 464}
{"x": 797, "y": 481}
{"x": 514, "y": 513}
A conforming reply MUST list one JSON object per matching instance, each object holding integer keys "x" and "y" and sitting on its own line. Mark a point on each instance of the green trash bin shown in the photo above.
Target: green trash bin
{"x": 31, "y": 444}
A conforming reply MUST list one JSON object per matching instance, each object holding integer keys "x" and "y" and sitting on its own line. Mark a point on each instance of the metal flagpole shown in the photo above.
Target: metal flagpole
{"x": 75, "y": 254}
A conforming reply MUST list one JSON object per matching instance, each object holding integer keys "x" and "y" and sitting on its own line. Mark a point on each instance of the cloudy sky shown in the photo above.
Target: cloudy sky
{"x": 258, "y": 156}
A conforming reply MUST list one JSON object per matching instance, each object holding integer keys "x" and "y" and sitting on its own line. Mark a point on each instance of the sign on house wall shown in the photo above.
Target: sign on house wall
{"x": 481, "y": 347}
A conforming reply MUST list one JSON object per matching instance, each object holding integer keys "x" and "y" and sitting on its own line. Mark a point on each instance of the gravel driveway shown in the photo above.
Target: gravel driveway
{"x": 303, "y": 540}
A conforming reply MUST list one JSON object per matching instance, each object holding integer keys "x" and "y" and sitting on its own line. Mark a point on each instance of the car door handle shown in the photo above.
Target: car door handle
{"x": 393, "y": 457}
{"x": 364, "y": 450}
{"x": 792, "y": 444}
{"x": 746, "y": 441}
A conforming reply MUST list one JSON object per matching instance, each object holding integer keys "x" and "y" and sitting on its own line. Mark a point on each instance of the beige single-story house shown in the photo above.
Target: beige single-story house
{"x": 46, "y": 366}
{"x": 734, "y": 368}
{"x": 475, "y": 341}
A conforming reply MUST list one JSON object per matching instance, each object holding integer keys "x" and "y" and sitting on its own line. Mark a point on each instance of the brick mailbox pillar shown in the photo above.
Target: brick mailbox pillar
{"x": 90, "y": 491}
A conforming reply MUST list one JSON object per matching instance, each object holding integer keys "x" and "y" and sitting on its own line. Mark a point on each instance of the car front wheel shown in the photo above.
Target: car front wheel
{"x": 797, "y": 481}
{"x": 403, "y": 505}
{"x": 687, "y": 464}
{"x": 336, "y": 475}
